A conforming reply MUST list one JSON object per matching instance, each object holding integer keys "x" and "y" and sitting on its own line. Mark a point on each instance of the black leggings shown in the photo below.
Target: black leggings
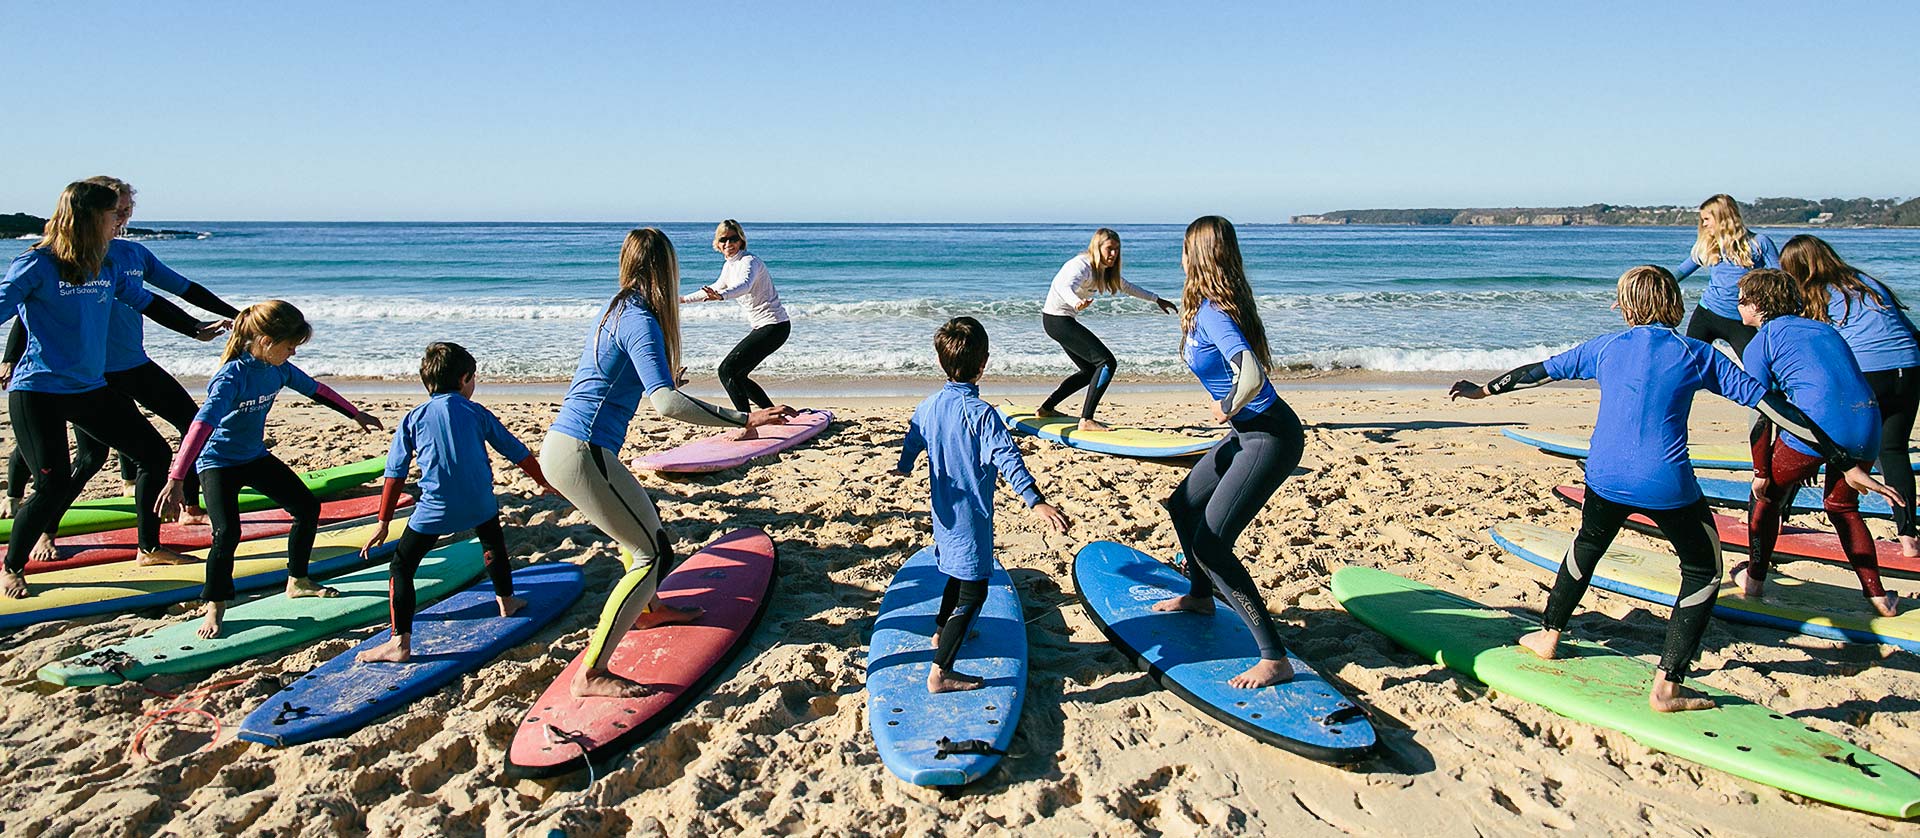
{"x": 270, "y": 477}
{"x": 1219, "y": 498}
{"x": 40, "y": 425}
{"x": 959, "y": 604}
{"x": 1705, "y": 326}
{"x": 1096, "y": 363}
{"x": 746, "y": 355}
{"x": 150, "y": 387}
{"x": 1690, "y": 530}
{"x": 1898, "y": 392}
{"x": 413, "y": 547}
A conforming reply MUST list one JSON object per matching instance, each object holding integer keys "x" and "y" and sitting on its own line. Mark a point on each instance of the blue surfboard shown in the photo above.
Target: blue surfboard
{"x": 1194, "y": 654}
{"x": 953, "y": 738}
{"x": 1739, "y": 493}
{"x": 453, "y": 637}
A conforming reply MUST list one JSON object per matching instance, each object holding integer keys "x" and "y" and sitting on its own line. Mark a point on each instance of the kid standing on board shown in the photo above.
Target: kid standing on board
{"x": 1639, "y": 465}
{"x": 226, "y": 446}
{"x": 1727, "y": 249}
{"x": 450, "y": 434}
{"x": 967, "y": 447}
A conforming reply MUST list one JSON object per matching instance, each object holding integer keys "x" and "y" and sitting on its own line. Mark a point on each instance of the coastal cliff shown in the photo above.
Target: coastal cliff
{"x": 20, "y": 224}
{"x": 1765, "y": 212}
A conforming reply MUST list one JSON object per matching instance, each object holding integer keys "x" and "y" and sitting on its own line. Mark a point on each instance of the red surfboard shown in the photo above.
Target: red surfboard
{"x": 1794, "y": 542}
{"x": 123, "y": 545}
{"x": 731, "y": 579}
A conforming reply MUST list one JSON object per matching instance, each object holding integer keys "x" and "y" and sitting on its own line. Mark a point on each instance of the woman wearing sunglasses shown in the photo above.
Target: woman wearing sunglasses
{"x": 745, "y": 278}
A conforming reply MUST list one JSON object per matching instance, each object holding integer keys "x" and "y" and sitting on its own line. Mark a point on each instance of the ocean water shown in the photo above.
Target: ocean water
{"x": 866, "y": 298}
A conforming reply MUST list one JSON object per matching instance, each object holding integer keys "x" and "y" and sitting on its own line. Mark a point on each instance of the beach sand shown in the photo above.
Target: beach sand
{"x": 1397, "y": 478}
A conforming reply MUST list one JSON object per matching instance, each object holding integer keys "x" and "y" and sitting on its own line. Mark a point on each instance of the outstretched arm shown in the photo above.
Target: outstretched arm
{"x": 673, "y": 404}
{"x": 1518, "y": 378}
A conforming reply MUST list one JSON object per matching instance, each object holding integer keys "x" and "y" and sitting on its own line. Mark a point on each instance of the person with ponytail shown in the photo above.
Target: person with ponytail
{"x": 1224, "y": 344}
{"x": 64, "y": 290}
{"x": 1874, "y": 324}
{"x": 631, "y": 354}
{"x": 226, "y": 446}
{"x": 745, "y": 278}
{"x": 1096, "y": 271}
{"x": 1727, "y": 249}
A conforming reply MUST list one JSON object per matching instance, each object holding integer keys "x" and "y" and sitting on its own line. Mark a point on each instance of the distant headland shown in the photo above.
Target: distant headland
{"x": 21, "y": 224}
{"x": 1765, "y": 212}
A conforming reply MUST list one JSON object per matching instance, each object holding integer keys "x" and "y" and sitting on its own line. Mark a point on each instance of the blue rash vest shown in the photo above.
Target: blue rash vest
{"x": 1722, "y": 296}
{"x": 1809, "y": 362}
{"x": 624, "y": 361}
{"x": 239, "y": 396}
{"x": 1880, "y": 335}
{"x": 126, "y": 332}
{"x": 1215, "y": 339}
{"x": 450, "y": 433}
{"x": 967, "y": 447}
{"x": 67, "y": 325}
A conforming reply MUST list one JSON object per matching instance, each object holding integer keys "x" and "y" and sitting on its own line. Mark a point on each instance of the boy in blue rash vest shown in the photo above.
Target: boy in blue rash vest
{"x": 450, "y": 434}
{"x": 1639, "y": 464}
{"x": 227, "y": 446}
{"x": 967, "y": 447}
{"x": 1809, "y": 362}
{"x": 1727, "y": 249}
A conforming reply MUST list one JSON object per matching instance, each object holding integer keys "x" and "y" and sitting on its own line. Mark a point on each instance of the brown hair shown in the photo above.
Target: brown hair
{"x": 444, "y": 366}
{"x": 1649, "y": 294}
{"x": 1771, "y": 292}
{"x": 276, "y": 320}
{"x": 961, "y": 344}
{"x": 1215, "y": 274}
{"x": 1819, "y": 270}
{"x": 650, "y": 276}
{"x": 72, "y": 234}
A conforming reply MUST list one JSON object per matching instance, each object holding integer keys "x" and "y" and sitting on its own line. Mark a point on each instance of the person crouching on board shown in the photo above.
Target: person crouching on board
{"x": 1639, "y": 463}
{"x": 1810, "y": 362}
{"x": 449, "y": 433}
{"x": 967, "y": 447}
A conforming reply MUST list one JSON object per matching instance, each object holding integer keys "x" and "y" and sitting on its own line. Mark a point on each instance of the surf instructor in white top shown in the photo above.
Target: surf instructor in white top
{"x": 745, "y": 278}
{"x": 1095, "y": 271}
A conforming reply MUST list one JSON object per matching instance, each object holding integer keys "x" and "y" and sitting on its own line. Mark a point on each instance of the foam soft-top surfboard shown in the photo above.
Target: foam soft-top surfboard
{"x": 726, "y": 449}
{"x": 106, "y": 589}
{"x": 954, "y": 738}
{"x": 1592, "y": 684}
{"x": 731, "y": 579}
{"x": 1194, "y": 654}
{"x": 1126, "y": 442}
{"x": 123, "y": 545}
{"x": 1797, "y": 605}
{"x": 458, "y": 635}
{"x": 1719, "y": 455}
{"x": 1739, "y": 494}
{"x": 113, "y": 513}
{"x": 264, "y": 625}
{"x": 1794, "y": 542}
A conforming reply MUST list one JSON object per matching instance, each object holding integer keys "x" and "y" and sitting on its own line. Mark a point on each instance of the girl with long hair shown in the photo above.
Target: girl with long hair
{"x": 746, "y": 278}
{"x": 1097, "y": 271}
{"x": 1727, "y": 249}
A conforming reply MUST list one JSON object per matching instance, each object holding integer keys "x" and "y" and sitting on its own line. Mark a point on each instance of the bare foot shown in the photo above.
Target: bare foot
{"x": 1888, "y": 606}
{"x": 1263, "y": 674}
{"x": 662, "y": 614}
{"x": 193, "y": 516}
{"x": 1185, "y": 602}
{"x": 1750, "y": 587}
{"x": 163, "y": 556}
{"x": 1669, "y": 697}
{"x": 44, "y": 550}
{"x": 1047, "y": 412}
{"x": 301, "y": 586}
{"x": 590, "y": 683}
{"x": 745, "y": 434}
{"x": 395, "y": 650}
{"x": 9, "y": 503}
{"x": 510, "y": 604}
{"x": 13, "y": 585}
{"x": 1909, "y": 546}
{"x": 210, "y": 628}
{"x": 1545, "y": 643}
{"x": 947, "y": 681}
{"x": 1091, "y": 425}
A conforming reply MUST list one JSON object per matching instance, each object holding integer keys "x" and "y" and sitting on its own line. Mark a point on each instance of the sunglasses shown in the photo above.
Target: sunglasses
{"x": 727, "y": 239}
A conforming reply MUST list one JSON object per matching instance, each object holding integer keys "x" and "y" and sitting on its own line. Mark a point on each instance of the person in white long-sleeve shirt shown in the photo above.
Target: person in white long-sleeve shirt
{"x": 745, "y": 278}
{"x": 1096, "y": 271}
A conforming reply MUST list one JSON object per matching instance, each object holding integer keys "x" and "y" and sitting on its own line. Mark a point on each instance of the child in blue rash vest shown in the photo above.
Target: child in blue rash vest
{"x": 1809, "y": 362}
{"x": 227, "y": 446}
{"x": 1727, "y": 249}
{"x": 1639, "y": 464}
{"x": 1095, "y": 271}
{"x": 450, "y": 434}
{"x": 967, "y": 447}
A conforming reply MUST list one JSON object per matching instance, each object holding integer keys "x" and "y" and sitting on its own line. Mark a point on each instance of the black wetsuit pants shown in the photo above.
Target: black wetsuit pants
{"x": 414, "y": 546}
{"x": 1898, "y": 393}
{"x": 40, "y": 425}
{"x": 1704, "y": 325}
{"x": 1689, "y": 529}
{"x": 960, "y": 603}
{"x": 1220, "y": 497}
{"x": 270, "y": 477}
{"x": 1096, "y": 363}
{"x": 150, "y": 387}
{"x": 746, "y": 355}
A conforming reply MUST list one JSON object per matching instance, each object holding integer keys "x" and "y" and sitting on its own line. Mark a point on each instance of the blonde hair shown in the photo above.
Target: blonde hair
{"x": 120, "y": 187}
{"x": 1723, "y": 235}
{"x": 1215, "y": 274}
{"x": 1649, "y": 294}
{"x": 650, "y": 276}
{"x": 72, "y": 234}
{"x": 731, "y": 227}
{"x": 1106, "y": 278}
{"x": 1819, "y": 269}
{"x": 276, "y": 320}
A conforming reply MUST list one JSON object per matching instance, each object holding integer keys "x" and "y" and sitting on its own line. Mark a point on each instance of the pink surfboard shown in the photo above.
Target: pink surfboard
{"x": 725, "y": 450}
{"x": 730, "y": 579}
{"x": 122, "y": 545}
{"x": 1794, "y": 542}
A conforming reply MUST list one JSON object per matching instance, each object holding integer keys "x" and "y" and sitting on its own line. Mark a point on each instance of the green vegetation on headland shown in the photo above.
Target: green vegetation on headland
{"x": 1765, "y": 212}
{"x": 21, "y": 224}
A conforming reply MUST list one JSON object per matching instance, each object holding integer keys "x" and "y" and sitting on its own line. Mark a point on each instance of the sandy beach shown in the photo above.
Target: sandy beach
{"x": 1396, "y": 477}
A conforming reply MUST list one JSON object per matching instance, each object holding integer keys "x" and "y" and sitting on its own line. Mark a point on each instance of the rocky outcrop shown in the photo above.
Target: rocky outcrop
{"x": 1829, "y": 212}
{"x": 20, "y": 224}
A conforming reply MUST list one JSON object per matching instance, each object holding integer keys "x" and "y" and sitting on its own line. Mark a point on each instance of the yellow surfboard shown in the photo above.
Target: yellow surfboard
{"x": 1126, "y": 442}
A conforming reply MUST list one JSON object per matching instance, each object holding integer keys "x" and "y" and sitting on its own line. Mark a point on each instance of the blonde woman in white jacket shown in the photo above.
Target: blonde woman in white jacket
{"x": 745, "y": 278}
{"x": 1096, "y": 271}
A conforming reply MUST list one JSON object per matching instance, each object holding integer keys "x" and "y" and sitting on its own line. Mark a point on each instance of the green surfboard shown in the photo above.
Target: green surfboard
{"x": 1592, "y": 684}
{"x": 265, "y": 625}
{"x": 102, "y": 514}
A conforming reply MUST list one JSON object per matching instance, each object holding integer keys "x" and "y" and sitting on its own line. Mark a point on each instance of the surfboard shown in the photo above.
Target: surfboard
{"x": 264, "y": 625}
{"x": 1803, "y": 606}
{"x": 1715, "y": 455}
{"x": 726, "y": 450}
{"x": 1739, "y": 494}
{"x": 122, "y": 545}
{"x": 1793, "y": 543}
{"x": 1125, "y": 442}
{"x": 113, "y": 513}
{"x": 954, "y": 738}
{"x": 1193, "y": 655}
{"x": 1592, "y": 684}
{"x": 106, "y": 589}
{"x": 451, "y": 638}
{"x": 731, "y": 579}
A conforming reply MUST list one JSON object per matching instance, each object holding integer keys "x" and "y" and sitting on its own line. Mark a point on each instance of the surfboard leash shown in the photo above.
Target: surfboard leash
{"x": 190, "y": 703}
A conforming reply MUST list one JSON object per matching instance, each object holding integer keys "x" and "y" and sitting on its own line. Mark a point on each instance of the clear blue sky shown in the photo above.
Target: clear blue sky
{"x": 950, "y": 112}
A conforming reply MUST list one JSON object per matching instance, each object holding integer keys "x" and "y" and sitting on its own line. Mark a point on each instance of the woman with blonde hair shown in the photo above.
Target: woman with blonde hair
{"x": 1648, "y": 375}
{"x": 1097, "y": 271}
{"x": 1727, "y": 249}
{"x": 631, "y": 354}
{"x": 746, "y": 278}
